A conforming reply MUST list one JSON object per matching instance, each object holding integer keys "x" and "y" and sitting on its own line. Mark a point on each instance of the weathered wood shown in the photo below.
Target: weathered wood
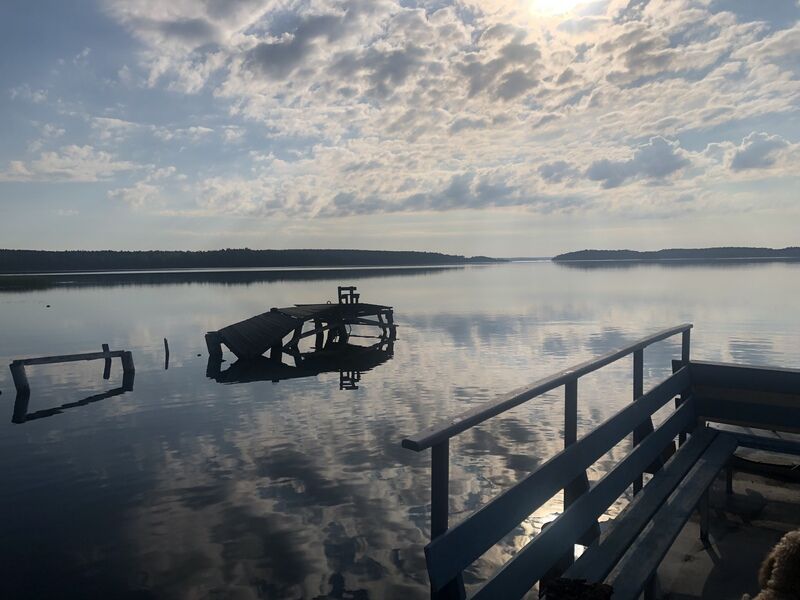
{"x": 643, "y": 557}
{"x": 166, "y": 354}
{"x": 469, "y": 419}
{"x": 746, "y": 377}
{"x": 751, "y": 414}
{"x": 440, "y": 501}
{"x": 519, "y": 574}
{"x": 21, "y": 379}
{"x": 440, "y": 494}
{"x": 214, "y": 345}
{"x": 127, "y": 362}
{"x": 598, "y": 561}
{"x": 464, "y": 543}
{"x": 49, "y": 360}
{"x": 579, "y": 485}
{"x": 638, "y": 389}
{"x": 107, "y": 365}
{"x": 769, "y": 444}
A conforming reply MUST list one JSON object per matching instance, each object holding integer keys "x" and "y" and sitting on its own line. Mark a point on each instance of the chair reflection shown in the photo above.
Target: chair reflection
{"x": 350, "y": 360}
{"x": 21, "y": 414}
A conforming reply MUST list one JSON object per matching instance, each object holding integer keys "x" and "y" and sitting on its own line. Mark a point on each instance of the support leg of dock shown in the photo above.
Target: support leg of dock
{"x": 21, "y": 407}
{"x": 214, "y": 345}
{"x": 127, "y": 362}
{"x": 107, "y": 363}
{"x": 20, "y": 378}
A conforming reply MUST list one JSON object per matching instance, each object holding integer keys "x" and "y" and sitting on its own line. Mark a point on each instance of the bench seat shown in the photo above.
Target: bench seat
{"x": 647, "y": 549}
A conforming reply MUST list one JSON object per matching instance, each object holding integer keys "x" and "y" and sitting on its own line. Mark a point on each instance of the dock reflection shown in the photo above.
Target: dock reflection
{"x": 350, "y": 360}
{"x": 21, "y": 404}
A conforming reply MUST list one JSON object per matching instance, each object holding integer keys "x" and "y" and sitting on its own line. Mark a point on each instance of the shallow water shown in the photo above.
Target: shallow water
{"x": 188, "y": 488}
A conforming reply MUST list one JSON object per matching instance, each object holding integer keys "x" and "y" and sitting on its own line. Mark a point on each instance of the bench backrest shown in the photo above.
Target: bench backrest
{"x": 457, "y": 548}
{"x": 751, "y": 396}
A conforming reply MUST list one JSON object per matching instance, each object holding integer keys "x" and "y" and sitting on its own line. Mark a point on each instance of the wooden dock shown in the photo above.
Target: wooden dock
{"x": 281, "y": 329}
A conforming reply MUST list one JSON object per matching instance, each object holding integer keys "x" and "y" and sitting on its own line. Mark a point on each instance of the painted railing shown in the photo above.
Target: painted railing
{"x": 438, "y": 437}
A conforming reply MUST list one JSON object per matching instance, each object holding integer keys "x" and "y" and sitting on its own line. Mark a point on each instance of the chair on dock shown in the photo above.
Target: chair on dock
{"x": 629, "y": 551}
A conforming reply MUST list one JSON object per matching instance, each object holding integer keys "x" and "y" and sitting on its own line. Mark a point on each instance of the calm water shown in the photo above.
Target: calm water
{"x": 188, "y": 488}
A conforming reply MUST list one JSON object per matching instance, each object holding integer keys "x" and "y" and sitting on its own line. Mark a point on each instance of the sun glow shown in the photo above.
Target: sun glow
{"x": 554, "y": 7}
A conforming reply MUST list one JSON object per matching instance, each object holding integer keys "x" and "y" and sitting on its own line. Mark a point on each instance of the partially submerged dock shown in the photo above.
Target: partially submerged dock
{"x": 280, "y": 330}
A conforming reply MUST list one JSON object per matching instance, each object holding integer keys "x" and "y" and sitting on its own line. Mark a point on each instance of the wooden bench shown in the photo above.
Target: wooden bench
{"x": 630, "y": 550}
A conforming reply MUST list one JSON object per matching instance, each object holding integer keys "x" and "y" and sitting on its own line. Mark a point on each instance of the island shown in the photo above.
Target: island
{"x": 681, "y": 254}
{"x": 39, "y": 261}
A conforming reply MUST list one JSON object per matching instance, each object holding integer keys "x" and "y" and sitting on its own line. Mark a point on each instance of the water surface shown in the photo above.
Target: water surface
{"x": 189, "y": 488}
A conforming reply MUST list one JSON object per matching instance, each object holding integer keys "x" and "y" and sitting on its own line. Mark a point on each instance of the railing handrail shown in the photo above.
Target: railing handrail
{"x": 442, "y": 432}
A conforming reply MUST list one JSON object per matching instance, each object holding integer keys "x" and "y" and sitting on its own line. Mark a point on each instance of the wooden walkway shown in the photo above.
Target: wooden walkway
{"x": 253, "y": 337}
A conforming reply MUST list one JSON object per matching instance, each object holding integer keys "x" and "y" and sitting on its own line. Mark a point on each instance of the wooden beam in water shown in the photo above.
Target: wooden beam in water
{"x": 21, "y": 379}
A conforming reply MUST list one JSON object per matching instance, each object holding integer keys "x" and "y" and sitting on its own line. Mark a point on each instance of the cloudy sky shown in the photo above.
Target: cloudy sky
{"x": 503, "y": 127}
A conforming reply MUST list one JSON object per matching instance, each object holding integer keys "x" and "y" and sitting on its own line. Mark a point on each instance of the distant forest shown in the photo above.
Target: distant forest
{"x": 32, "y": 261}
{"x": 731, "y": 253}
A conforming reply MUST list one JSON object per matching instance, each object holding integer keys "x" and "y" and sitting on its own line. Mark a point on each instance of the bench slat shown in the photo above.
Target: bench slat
{"x": 520, "y": 573}
{"x": 646, "y": 553}
{"x": 597, "y": 562}
{"x": 768, "y": 444}
{"x": 460, "y": 546}
{"x": 745, "y": 377}
{"x": 766, "y": 416}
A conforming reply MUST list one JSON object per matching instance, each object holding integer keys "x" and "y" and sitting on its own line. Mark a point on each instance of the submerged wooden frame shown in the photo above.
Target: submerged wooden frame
{"x": 21, "y": 379}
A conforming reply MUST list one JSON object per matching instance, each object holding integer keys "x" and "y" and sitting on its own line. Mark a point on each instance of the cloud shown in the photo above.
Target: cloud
{"x": 757, "y": 151}
{"x": 279, "y": 58}
{"x": 70, "y": 163}
{"x": 25, "y": 92}
{"x": 329, "y": 108}
{"x": 657, "y": 159}
{"x": 558, "y": 171}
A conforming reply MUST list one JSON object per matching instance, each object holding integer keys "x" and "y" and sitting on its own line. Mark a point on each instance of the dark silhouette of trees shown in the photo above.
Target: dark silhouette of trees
{"x": 31, "y": 261}
{"x": 683, "y": 254}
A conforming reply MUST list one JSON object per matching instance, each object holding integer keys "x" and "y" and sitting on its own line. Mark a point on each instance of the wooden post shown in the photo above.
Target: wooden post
{"x": 580, "y": 485}
{"x": 440, "y": 500}
{"x": 704, "y": 517}
{"x": 127, "y": 380}
{"x": 685, "y": 348}
{"x": 686, "y": 338}
{"x": 127, "y": 362}
{"x": 166, "y": 354}
{"x": 107, "y": 363}
{"x": 214, "y": 345}
{"x": 638, "y": 390}
{"x": 19, "y": 377}
{"x": 21, "y": 407}
{"x": 440, "y": 484}
{"x": 319, "y": 338}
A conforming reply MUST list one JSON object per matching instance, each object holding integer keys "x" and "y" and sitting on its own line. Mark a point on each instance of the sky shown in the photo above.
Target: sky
{"x": 499, "y": 127}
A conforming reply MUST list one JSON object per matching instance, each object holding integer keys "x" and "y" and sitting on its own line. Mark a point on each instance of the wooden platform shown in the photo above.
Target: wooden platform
{"x": 253, "y": 337}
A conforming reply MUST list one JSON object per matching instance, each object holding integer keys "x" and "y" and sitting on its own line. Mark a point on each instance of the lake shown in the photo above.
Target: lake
{"x": 189, "y": 488}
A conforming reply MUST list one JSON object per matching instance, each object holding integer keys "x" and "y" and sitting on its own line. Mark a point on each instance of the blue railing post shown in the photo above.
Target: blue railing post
{"x": 580, "y": 485}
{"x": 440, "y": 509}
{"x": 686, "y": 340}
{"x": 638, "y": 390}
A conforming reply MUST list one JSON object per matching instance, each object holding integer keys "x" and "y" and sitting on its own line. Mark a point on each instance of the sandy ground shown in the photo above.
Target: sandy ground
{"x": 743, "y": 528}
